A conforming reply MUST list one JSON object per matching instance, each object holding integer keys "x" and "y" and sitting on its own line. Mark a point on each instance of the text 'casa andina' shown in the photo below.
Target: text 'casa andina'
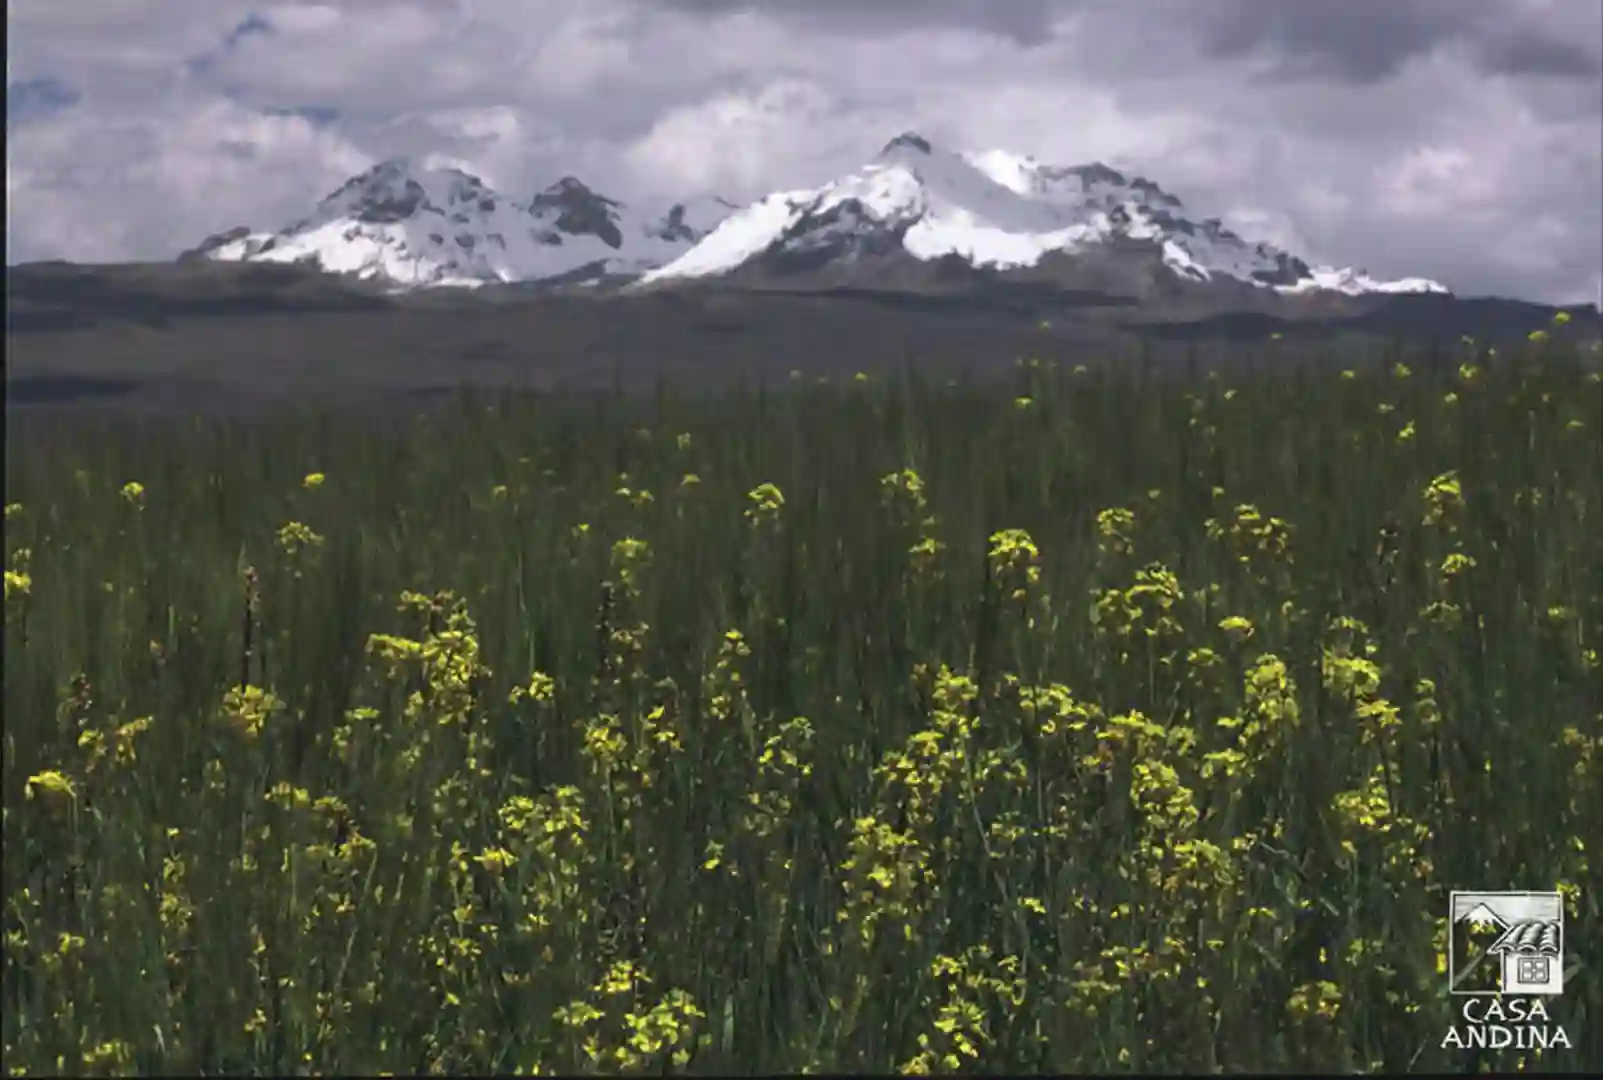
{"x": 1494, "y": 1023}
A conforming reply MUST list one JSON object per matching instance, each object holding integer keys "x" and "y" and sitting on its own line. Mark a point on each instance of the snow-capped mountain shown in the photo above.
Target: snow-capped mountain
{"x": 994, "y": 211}
{"x": 916, "y": 216}
{"x": 406, "y": 223}
{"x": 1481, "y": 915}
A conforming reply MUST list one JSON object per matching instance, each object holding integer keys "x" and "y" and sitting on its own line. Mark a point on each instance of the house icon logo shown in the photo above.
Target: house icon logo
{"x": 1506, "y": 943}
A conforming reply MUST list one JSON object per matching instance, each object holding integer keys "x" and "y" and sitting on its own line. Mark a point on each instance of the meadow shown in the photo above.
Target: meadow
{"x": 1106, "y": 721}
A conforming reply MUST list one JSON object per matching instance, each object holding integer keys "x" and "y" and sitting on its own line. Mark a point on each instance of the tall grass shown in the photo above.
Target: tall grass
{"x": 1107, "y": 723}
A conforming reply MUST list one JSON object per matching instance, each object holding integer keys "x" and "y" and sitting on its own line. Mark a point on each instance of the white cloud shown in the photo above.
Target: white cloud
{"x": 741, "y": 141}
{"x": 303, "y": 18}
{"x": 112, "y": 187}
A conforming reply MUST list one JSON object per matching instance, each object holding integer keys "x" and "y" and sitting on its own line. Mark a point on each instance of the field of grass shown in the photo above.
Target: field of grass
{"x": 1098, "y": 723}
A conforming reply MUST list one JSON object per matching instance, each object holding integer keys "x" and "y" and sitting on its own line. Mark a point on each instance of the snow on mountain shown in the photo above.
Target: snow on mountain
{"x": 411, "y": 224}
{"x": 1482, "y": 916}
{"x": 1000, "y": 211}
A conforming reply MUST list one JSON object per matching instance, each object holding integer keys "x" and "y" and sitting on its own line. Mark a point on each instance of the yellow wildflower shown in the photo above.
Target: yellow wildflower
{"x": 17, "y": 584}
{"x": 52, "y": 785}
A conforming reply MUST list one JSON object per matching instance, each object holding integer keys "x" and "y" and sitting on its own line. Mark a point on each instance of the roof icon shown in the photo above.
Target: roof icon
{"x": 1534, "y": 937}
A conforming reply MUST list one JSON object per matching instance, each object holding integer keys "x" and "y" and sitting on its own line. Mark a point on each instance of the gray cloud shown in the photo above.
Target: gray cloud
{"x": 34, "y": 99}
{"x": 1525, "y": 52}
{"x": 1457, "y": 140}
{"x": 1358, "y": 41}
{"x": 1363, "y": 41}
{"x": 1027, "y": 22}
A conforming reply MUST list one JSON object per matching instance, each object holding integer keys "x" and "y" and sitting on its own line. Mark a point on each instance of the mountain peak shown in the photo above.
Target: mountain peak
{"x": 1482, "y": 915}
{"x": 398, "y": 188}
{"x": 1097, "y": 173}
{"x": 580, "y": 211}
{"x": 908, "y": 140}
{"x": 414, "y": 222}
{"x": 691, "y": 220}
{"x": 1000, "y": 212}
{"x": 569, "y": 185}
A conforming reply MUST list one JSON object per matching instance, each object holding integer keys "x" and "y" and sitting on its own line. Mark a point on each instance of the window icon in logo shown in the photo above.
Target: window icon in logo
{"x": 1532, "y": 970}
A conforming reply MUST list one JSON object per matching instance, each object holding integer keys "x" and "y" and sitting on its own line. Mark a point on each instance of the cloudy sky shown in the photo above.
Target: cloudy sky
{"x": 1461, "y": 140}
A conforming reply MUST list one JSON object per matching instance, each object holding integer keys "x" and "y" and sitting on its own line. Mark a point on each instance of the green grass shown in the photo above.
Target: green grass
{"x": 1099, "y": 723}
